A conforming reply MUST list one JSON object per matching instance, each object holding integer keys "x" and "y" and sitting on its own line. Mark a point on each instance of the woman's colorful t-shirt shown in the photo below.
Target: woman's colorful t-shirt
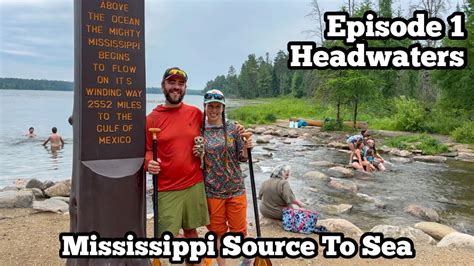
{"x": 221, "y": 181}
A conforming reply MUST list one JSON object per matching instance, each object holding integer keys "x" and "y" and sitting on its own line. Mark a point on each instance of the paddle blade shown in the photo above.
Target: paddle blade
{"x": 156, "y": 262}
{"x": 262, "y": 262}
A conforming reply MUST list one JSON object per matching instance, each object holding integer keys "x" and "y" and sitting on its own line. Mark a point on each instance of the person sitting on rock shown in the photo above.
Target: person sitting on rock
{"x": 379, "y": 160}
{"x": 359, "y": 161}
{"x": 352, "y": 140}
{"x": 276, "y": 194}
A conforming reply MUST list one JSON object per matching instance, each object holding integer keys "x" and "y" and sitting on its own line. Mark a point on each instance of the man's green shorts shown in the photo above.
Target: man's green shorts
{"x": 185, "y": 209}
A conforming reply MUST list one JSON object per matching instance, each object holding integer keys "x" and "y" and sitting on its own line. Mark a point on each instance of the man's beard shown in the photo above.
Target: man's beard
{"x": 171, "y": 101}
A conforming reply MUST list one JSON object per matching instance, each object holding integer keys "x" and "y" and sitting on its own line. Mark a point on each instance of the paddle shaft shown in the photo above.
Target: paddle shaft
{"x": 254, "y": 193}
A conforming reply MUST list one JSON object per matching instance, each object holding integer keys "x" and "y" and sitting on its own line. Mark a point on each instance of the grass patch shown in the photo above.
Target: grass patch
{"x": 464, "y": 133}
{"x": 424, "y": 142}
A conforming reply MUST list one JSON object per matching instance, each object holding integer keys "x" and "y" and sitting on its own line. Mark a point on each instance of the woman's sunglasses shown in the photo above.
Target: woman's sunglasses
{"x": 216, "y": 96}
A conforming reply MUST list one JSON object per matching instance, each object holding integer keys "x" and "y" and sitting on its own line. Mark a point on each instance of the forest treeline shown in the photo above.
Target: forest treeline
{"x": 422, "y": 100}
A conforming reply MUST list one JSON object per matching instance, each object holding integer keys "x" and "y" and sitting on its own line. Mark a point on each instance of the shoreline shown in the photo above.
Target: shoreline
{"x": 29, "y": 238}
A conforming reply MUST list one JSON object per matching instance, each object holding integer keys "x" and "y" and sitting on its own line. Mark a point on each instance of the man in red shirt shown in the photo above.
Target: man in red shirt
{"x": 181, "y": 198}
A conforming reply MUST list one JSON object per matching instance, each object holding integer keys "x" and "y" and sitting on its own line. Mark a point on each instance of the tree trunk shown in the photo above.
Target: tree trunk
{"x": 338, "y": 118}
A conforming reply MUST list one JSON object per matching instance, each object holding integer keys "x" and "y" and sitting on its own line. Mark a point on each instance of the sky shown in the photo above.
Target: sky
{"x": 203, "y": 37}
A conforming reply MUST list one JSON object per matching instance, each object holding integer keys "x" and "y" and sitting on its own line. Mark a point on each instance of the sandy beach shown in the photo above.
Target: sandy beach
{"x": 29, "y": 238}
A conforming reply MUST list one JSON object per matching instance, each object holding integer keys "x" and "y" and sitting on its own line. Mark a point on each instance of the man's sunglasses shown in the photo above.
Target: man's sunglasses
{"x": 177, "y": 72}
{"x": 216, "y": 96}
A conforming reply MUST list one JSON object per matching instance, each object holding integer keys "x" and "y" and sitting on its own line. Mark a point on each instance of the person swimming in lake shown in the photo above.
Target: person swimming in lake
{"x": 55, "y": 140}
{"x": 31, "y": 133}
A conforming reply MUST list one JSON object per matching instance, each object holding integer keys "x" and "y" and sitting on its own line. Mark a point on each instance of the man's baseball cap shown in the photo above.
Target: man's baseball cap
{"x": 214, "y": 96}
{"x": 175, "y": 71}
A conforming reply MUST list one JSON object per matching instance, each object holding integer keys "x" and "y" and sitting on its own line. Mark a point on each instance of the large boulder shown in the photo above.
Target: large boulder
{"x": 430, "y": 159}
{"x": 322, "y": 164}
{"x": 422, "y": 212}
{"x": 363, "y": 175}
{"x": 47, "y": 184}
{"x": 260, "y": 130}
{"x": 342, "y": 226}
{"x": 339, "y": 171}
{"x": 7, "y": 188}
{"x": 337, "y": 209}
{"x": 65, "y": 199}
{"x": 37, "y": 193}
{"x": 51, "y": 205}
{"x": 61, "y": 189}
{"x": 34, "y": 183}
{"x": 269, "y": 132}
{"x": 16, "y": 199}
{"x": 341, "y": 184}
{"x": 414, "y": 234}
{"x": 316, "y": 175}
{"x": 458, "y": 240}
{"x": 466, "y": 156}
{"x": 281, "y": 133}
{"x": 435, "y": 230}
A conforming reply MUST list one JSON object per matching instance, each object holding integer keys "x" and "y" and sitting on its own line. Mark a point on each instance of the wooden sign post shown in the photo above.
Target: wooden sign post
{"x": 108, "y": 182}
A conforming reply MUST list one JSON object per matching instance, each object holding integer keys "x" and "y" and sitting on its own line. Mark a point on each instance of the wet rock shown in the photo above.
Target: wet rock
{"x": 430, "y": 158}
{"x": 264, "y": 139}
{"x": 462, "y": 147}
{"x": 417, "y": 152}
{"x": 269, "y": 132}
{"x": 337, "y": 209}
{"x": 449, "y": 154}
{"x": 292, "y": 133}
{"x": 338, "y": 145}
{"x": 339, "y": 171}
{"x": 16, "y": 199}
{"x": 260, "y": 130}
{"x": 316, "y": 175}
{"x": 458, "y": 240}
{"x": 344, "y": 151}
{"x": 401, "y": 160}
{"x": 306, "y": 136}
{"x": 322, "y": 164}
{"x": 47, "y": 184}
{"x": 51, "y": 205}
{"x": 414, "y": 234}
{"x": 34, "y": 183}
{"x": 62, "y": 189}
{"x": 422, "y": 212}
{"x": 270, "y": 148}
{"x": 287, "y": 141}
{"x": 435, "y": 230}
{"x": 383, "y": 149}
{"x": 465, "y": 156}
{"x": 363, "y": 175}
{"x": 341, "y": 184}
{"x": 400, "y": 153}
{"x": 281, "y": 133}
{"x": 378, "y": 203}
{"x": 342, "y": 226}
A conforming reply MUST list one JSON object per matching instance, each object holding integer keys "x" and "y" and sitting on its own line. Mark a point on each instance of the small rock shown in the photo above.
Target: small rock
{"x": 339, "y": 171}
{"x": 34, "y": 183}
{"x": 343, "y": 185}
{"x": 400, "y": 153}
{"x": 418, "y": 152}
{"x": 306, "y": 136}
{"x": 422, "y": 212}
{"x": 322, "y": 164}
{"x": 62, "y": 189}
{"x": 404, "y": 231}
{"x": 378, "y": 203}
{"x": 363, "y": 175}
{"x": 337, "y": 209}
{"x": 287, "y": 141}
{"x": 292, "y": 133}
{"x": 260, "y": 130}
{"x": 37, "y": 193}
{"x": 449, "y": 154}
{"x": 401, "y": 160}
{"x": 51, "y": 205}
{"x": 264, "y": 139}
{"x": 270, "y": 148}
{"x": 316, "y": 175}
{"x": 430, "y": 158}
{"x": 16, "y": 199}
{"x": 338, "y": 145}
{"x": 281, "y": 133}
{"x": 7, "y": 188}
{"x": 342, "y": 226}
{"x": 465, "y": 156}
{"x": 458, "y": 240}
{"x": 435, "y": 230}
{"x": 269, "y": 132}
{"x": 65, "y": 199}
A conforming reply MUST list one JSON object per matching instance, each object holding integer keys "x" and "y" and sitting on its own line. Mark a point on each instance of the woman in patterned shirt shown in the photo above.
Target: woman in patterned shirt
{"x": 223, "y": 179}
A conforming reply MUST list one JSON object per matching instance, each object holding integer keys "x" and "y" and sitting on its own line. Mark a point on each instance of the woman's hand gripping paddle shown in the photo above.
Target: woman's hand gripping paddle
{"x": 155, "y": 131}
{"x": 258, "y": 261}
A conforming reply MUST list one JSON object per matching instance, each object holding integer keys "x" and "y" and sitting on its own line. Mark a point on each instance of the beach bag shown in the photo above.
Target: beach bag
{"x": 299, "y": 221}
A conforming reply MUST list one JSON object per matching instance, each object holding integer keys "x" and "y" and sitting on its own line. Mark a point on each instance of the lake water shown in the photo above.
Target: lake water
{"x": 23, "y": 157}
